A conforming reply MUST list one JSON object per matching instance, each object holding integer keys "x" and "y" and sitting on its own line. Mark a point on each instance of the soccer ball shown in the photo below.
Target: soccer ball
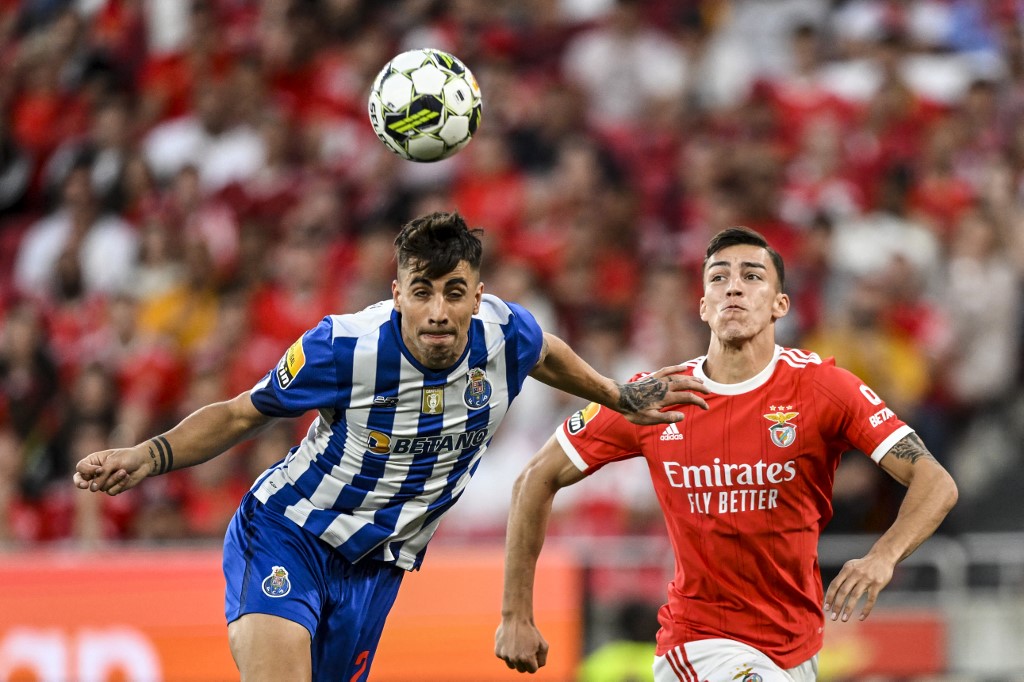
{"x": 425, "y": 105}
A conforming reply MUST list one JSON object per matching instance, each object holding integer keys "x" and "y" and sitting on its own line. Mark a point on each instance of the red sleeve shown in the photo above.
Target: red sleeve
{"x": 858, "y": 415}
{"x": 597, "y": 435}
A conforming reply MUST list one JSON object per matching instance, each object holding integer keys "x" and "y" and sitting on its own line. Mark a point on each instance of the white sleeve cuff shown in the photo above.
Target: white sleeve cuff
{"x": 570, "y": 449}
{"x": 886, "y": 445}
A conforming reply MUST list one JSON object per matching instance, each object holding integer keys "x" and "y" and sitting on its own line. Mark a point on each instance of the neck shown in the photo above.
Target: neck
{"x": 729, "y": 363}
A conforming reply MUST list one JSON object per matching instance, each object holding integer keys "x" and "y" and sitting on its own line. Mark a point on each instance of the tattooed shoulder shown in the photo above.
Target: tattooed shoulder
{"x": 911, "y": 448}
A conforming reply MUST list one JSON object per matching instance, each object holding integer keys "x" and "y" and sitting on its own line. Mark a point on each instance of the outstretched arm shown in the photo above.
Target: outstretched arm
{"x": 931, "y": 493}
{"x": 201, "y": 436}
{"x": 518, "y": 642}
{"x": 641, "y": 402}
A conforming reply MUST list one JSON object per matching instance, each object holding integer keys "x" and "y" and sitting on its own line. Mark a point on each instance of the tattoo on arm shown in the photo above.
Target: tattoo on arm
{"x": 911, "y": 448}
{"x": 164, "y": 453}
{"x": 638, "y": 395}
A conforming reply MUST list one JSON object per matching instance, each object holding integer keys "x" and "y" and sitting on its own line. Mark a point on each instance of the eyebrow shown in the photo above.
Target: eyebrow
{"x": 454, "y": 281}
{"x": 743, "y": 264}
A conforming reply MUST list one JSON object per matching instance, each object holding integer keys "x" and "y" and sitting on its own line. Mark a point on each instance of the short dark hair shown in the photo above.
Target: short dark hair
{"x": 434, "y": 244}
{"x": 733, "y": 236}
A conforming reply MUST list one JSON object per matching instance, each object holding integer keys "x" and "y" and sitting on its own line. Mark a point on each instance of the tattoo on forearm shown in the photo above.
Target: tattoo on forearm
{"x": 911, "y": 448}
{"x": 638, "y": 395}
{"x": 163, "y": 453}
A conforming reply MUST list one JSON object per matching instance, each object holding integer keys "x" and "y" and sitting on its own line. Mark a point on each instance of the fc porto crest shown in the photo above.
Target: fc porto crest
{"x": 782, "y": 432}
{"x": 277, "y": 583}
{"x": 478, "y": 389}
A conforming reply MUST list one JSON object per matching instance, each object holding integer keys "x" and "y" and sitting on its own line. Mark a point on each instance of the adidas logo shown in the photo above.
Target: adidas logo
{"x": 671, "y": 432}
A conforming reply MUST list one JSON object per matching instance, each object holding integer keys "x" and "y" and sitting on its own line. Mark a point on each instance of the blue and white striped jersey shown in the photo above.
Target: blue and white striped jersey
{"x": 395, "y": 443}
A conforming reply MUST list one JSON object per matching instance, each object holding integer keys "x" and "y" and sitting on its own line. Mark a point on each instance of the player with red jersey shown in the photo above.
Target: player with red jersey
{"x": 745, "y": 486}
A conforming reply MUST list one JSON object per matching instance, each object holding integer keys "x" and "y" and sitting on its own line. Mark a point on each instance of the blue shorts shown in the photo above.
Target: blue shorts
{"x": 273, "y": 566}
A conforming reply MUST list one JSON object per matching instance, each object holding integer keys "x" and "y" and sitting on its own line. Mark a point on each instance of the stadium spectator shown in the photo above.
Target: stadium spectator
{"x": 625, "y": 66}
{"x": 29, "y": 377}
{"x": 105, "y": 148}
{"x": 211, "y": 139}
{"x": 186, "y": 314}
{"x": 713, "y": 476}
{"x": 78, "y": 247}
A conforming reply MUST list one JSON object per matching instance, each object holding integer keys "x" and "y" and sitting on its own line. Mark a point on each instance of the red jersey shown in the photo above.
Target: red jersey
{"x": 746, "y": 488}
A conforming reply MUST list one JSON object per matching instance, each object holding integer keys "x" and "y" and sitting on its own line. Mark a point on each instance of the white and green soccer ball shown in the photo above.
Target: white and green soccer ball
{"x": 425, "y": 105}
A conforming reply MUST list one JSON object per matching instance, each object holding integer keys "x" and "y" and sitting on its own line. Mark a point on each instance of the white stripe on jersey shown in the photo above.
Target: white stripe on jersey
{"x": 798, "y": 358}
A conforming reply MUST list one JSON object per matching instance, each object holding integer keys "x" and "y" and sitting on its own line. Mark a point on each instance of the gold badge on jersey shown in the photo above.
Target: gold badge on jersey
{"x": 782, "y": 432}
{"x": 433, "y": 400}
{"x": 580, "y": 419}
{"x": 290, "y": 365}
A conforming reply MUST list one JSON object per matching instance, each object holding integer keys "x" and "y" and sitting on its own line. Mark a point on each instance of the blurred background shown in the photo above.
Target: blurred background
{"x": 185, "y": 187}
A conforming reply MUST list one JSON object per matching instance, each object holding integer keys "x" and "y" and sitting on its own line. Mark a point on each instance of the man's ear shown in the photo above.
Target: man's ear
{"x": 703, "y": 309}
{"x": 479, "y": 294}
{"x": 780, "y": 307}
{"x": 394, "y": 295}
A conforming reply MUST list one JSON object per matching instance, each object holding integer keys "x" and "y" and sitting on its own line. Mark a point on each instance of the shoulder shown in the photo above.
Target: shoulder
{"x": 48, "y": 227}
{"x": 800, "y": 359}
{"x": 494, "y": 310}
{"x": 689, "y": 368}
{"x": 824, "y": 375}
{"x": 354, "y": 325}
{"x": 110, "y": 226}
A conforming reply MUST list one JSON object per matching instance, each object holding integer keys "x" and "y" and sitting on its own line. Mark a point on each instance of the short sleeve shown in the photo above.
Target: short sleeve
{"x": 304, "y": 379}
{"x": 860, "y": 416}
{"x": 597, "y": 435}
{"x": 527, "y": 339}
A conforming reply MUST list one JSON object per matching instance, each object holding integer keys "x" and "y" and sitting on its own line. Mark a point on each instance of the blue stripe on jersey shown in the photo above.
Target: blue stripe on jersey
{"x": 511, "y": 361}
{"x": 344, "y": 356}
{"x": 478, "y": 419}
{"x": 389, "y": 359}
{"x": 422, "y": 463}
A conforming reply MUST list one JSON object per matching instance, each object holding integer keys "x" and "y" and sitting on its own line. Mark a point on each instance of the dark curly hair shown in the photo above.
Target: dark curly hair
{"x": 434, "y": 244}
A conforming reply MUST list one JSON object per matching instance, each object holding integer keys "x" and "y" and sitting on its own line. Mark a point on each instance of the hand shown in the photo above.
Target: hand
{"x": 644, "y": 401}
{"x": 858, "y": 577}
{"x": 113, "y": 471}
{"x": 521, "y": 646}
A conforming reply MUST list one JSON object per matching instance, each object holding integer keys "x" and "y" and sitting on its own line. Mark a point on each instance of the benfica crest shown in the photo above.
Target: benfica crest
{"x": 782, "y": 432}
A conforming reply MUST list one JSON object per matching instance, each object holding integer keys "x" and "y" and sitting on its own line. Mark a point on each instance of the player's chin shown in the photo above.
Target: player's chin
{"x": 440, "y": 357}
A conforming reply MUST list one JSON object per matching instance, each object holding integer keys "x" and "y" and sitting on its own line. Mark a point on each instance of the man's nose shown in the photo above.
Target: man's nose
{"x": 438, "y": 309}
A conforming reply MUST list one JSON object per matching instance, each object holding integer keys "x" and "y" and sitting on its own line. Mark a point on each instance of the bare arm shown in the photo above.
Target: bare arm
{"x": 518, "y": 642}
{"x": 931, "y": 493}
{"x": 640, "y": 401}
{"x": 201, "y": 436}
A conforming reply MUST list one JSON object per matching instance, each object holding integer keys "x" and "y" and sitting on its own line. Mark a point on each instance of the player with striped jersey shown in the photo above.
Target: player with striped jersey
{"x": 745, "y": 486}
{"x": 407, "y": 395}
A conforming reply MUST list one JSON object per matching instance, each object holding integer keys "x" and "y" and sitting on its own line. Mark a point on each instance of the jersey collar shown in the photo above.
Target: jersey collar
{"x": 756, "y": 381}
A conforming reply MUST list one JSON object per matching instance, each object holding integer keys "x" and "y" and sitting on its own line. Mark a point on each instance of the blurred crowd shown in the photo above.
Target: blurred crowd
{"x": 185, "y": 187}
